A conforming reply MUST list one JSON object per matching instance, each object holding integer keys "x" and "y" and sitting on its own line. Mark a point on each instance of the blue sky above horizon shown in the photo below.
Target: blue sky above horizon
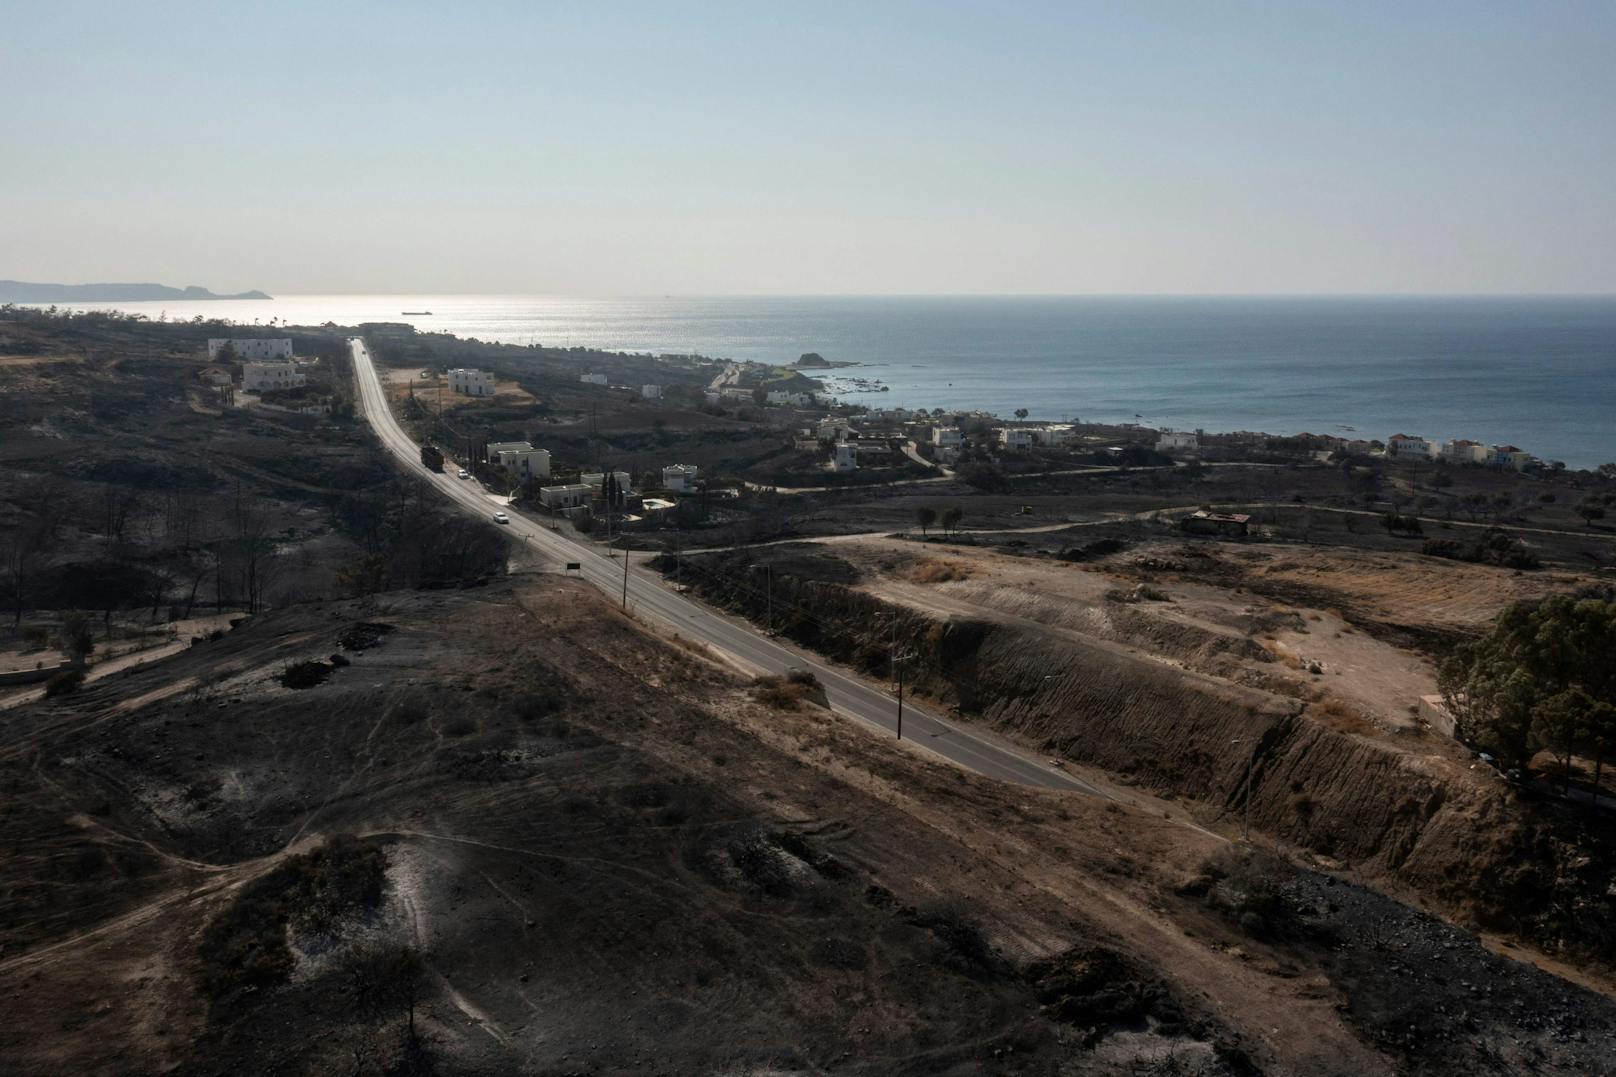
{"x": 745, "y": 148}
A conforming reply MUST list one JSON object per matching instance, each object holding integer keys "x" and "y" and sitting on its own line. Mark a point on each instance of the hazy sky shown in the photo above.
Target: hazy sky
{"x": 599, "y": 148}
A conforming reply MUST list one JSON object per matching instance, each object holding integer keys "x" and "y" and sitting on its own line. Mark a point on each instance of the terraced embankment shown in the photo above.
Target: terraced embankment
{"x": 1406, "y": 811}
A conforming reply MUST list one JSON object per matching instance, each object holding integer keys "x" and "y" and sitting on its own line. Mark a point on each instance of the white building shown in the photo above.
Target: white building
{"x": 845, "y": 457}
{"x": 572, "y": 496}
{"x": 833, "y": 430}
{"x": 946, "y": 437}
{"x": 596, "y": 480}
{"x": 651, "y": 392}
{"x": 471, "y": 382}
{"x": 1464, "y": 451}
{"x": 592, "y": 379}
{"x": 1411, "y": 446}
{"x": 1012, "y": 437}
{"x": 262, "y": 377}
{"x": 252, "y": 347}
{"x": 519, "y": 459}
{"x": 787, "y": 398}
{"x": 1177, "y": 441}
{"x": 679, "y": 477}
{"x": 216, "y": 375}
{"x": 1052, "y": 436}
{"x": 713, "y": 397}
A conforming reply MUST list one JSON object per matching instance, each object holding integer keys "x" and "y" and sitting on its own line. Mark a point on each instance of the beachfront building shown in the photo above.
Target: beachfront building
{"x": 679, "y": 477}
{"x": 1410, "y": 446}
{"x": 1465, "y": 451}
{"x": 651, "y": 392}
{"x": 251, "y": 347}
{"x": 947, "y": 437}
{"x": 1171, "y": 441}
{"x": 268, "y": 376}
{"x": 845, "y": 457}
{"x": 560, "y": 498}
{"x": 1051, "y": 437}
{"x": 592, "y": 379}
{"x": 519, "y": 459}
{"x": 1511, "y": 457}
{"x": 469, "y": 382}
{"x": 1015, "y": 437}
{"x": 786, "y": 398}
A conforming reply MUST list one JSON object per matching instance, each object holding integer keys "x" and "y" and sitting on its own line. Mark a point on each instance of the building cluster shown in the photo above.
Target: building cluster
{"x": 267, "y": 365}
{"x": 1459, "y": 451}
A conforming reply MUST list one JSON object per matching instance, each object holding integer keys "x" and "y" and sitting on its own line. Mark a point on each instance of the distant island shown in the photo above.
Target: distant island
{"x": 17, "y": 291}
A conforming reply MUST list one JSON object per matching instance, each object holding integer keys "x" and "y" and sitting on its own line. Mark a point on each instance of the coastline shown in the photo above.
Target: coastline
{"x": 1539, "y": 372}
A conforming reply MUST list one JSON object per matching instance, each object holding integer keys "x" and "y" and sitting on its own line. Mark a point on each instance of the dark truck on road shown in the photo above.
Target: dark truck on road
{"x": 432, "y": 457}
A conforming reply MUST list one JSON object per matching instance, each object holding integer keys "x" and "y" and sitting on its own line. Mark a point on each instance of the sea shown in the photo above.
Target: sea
{"x": 1536, "y": 372}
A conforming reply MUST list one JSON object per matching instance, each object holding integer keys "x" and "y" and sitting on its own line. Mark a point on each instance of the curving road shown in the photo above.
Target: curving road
{"x": 847, "y": 695}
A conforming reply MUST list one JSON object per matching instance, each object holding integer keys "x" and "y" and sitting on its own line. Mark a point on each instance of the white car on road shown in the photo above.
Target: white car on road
{"x": 464, "y": 474}
{"x": 501, "y": 518}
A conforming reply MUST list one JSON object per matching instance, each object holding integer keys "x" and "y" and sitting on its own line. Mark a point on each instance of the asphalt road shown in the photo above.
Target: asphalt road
{"x": 648, "y": 596}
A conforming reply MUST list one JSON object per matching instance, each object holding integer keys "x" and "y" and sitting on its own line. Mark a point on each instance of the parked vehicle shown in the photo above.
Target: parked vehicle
{"x": 501, "y": 518}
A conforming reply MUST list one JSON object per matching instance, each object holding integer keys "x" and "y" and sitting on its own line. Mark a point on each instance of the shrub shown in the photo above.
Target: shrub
{"x": 1251, "y": 887}
{"x": 300, "y": 675}
{"x": 245, "y": 947}
{"x": 64, "y": 683}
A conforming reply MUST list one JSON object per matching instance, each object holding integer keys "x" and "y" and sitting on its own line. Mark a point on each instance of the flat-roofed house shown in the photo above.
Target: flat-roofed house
{"x": 470, "y": 382}
{"x": 251, "y": 347}
{"x": 571, "y": 496}
{"x": 1177, "y": 441}
{"x": 519, "y": 459}
{"x": 679, "y": 477}
{"x": 1225, "y": 524}
{"x": 258, "y": 377}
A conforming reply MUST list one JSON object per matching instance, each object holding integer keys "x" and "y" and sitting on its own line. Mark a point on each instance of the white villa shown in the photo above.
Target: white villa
{"x": 519, "y": 459}
{"x": 1177, "y": 441}
{"x": 1014, "y": 437}
{"x": 651, "y": 392}
{"x": 1411, "y": 445}
{"x": 845, "y": 457}
{"x": 252, "y": 347}
{"x": 281, "y": 374}
{"x": 679, "y": 477}
{"x": 946, "y": 437}
{"x": 592, "y": 379}
{"x": 470, "y": 382}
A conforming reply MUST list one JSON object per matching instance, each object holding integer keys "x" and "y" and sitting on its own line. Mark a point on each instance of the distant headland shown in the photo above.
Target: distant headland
{"x": 17, "y": 291}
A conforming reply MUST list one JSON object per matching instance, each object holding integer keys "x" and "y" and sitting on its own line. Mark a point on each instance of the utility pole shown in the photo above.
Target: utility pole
{"x": 1251, "y": 763}
{"x": 625, "y": 576}
{"x": 898, "y": 660}
{"x": 768, "y": 571}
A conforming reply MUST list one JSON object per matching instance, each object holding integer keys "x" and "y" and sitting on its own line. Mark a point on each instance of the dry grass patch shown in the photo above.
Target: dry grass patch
{"x": 933, "y": 570}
